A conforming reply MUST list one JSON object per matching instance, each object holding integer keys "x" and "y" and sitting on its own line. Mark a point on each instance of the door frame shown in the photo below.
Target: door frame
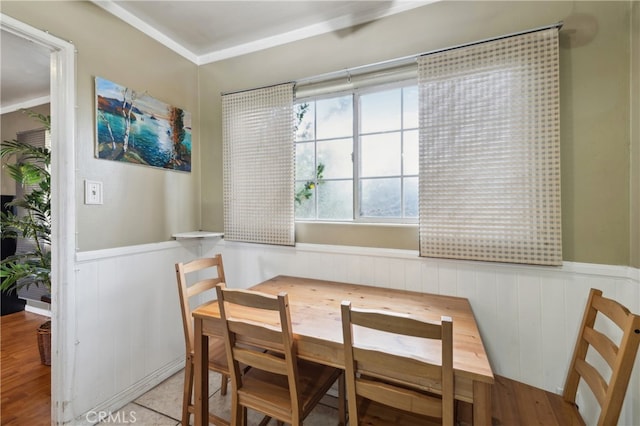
{"x": 63, "y": 212}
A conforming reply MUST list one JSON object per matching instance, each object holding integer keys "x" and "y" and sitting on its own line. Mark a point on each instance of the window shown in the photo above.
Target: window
{"x": 357, "y": 156}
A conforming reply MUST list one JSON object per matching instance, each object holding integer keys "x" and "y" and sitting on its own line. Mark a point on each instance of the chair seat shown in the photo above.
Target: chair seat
{"x": 269, "y": 392}
{"x": 512, "y": 401}
{"x": 517, "y": 404}
{"x": 371, "y": 413}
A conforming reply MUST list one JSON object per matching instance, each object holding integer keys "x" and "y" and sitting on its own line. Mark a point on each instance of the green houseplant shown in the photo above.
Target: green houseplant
{"x": 31, "y": 221}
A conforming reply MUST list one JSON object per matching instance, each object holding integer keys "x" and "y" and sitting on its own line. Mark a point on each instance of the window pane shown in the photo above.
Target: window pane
{"x": 380, "y": 111}
{"x": 304, "y": 161}
{"x": 380, "y": 198}
{"x": 305, "y": 115}
{"x": 411, "y": 152}
{"x": 380, "y": 155}
{"x": 305, "y": 208}
{"x": 335, "y": 117}
{"x": 335, "y": 155}
{"x": 410, "y": 106}
{"x": 411, "y": 197}
{"x": 335, "y": 200}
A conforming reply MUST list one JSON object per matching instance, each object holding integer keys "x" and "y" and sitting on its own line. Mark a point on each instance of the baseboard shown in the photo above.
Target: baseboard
{"x": 130, "y": 394}
{"x": 36, "y": 307}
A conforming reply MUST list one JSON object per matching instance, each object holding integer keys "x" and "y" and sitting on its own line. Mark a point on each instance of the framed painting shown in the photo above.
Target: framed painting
{"x": 136, "y": 128}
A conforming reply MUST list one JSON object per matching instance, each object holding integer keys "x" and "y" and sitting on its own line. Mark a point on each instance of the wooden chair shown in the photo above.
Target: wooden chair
{"x": 203, "y": 270}
{"x": 277, "y": 383}
{"x": 373, "y": 398}
{"x": 516, "y": 403}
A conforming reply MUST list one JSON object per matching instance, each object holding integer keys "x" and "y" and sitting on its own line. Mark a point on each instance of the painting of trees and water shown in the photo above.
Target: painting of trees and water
{"x": 135, "y": 128}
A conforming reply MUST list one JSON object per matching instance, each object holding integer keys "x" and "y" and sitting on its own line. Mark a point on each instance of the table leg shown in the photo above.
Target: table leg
{"x": 201, "y": 373}
{"x": 481, "y": 403}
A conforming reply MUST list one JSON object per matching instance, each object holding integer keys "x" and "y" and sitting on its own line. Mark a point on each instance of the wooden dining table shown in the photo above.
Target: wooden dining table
{"x": 315, "y": 316}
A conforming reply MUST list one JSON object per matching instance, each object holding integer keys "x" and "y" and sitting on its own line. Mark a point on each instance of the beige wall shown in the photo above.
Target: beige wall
{"x": 11, "y": 124}
{"x": 635, "y": 135}
{"x": 141, "y": 204}
{"x": 595, "y": 108}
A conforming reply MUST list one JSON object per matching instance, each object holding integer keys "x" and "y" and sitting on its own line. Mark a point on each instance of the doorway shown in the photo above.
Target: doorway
{"x": 62, "y": 104}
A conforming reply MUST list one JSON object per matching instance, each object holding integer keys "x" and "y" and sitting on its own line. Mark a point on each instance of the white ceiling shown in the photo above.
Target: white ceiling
{"x": 24, "y": 76}
{"x": 201, "y": 31}
{"x": 212, "y": 30}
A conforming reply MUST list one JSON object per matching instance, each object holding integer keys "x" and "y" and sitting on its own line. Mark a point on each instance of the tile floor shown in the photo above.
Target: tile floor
{"x": 162, "y": 406}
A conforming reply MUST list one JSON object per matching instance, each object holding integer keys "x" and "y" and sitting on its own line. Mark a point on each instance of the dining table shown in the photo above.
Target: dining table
{"x": 315, "y": 315}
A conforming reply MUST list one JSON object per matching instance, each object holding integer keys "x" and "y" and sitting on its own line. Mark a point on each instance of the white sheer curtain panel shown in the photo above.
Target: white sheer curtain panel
{"x": 490, "y": 151}
{"x": 258, "y": 163}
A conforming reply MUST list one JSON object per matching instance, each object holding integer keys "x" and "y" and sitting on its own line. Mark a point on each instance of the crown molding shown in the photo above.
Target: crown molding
{"x": 112, "y": 7}
{"x": 5, "y": 109}
{"x": 324, "y": 27}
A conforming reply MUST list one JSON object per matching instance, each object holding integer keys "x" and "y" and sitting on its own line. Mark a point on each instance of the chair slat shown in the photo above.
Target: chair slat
{"x": 605, "y": 347}
{"x": 202, "y": 263}
{"x": 261, "y": 360}
{"x": 252, "y": 299}
{"x": 381, "y": 363}
{"x": 260, "y": 333}
{"x": 612, "y": 309}
{"x": 394, "y": 323}
{"x": 596, "y": 383}
{"x": 202, "y": 286}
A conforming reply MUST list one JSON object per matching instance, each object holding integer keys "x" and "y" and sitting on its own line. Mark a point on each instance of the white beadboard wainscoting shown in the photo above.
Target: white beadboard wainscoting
{"x": 129, "y": 332}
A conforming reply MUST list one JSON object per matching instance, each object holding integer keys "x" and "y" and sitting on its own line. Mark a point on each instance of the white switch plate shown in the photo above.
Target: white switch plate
{"x": 92, "y": 192}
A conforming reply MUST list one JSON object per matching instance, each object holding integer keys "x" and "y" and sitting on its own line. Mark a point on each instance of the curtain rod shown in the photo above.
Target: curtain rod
{"x": 405, "y": 60}
{"x": 256, "y": 88}
{"x": 473, "y": 43}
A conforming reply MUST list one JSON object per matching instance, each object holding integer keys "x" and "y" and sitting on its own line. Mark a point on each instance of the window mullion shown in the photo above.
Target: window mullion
{"x": 356, "y": 156}
{"x": 315, "y": 161}
{"x": 402, "y": 212}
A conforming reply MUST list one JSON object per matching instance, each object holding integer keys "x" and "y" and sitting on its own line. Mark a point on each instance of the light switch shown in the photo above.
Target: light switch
{"x": 92, "y": 192}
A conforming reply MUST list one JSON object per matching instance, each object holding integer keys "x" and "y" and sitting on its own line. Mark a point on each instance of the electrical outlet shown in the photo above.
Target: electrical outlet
{"x": 92, "y": 192}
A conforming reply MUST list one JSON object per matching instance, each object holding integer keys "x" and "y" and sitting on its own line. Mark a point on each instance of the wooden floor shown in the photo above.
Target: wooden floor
{"x": 25, "y": 384}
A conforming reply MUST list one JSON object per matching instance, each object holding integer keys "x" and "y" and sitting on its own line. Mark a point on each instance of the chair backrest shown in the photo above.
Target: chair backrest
{"x": 206, "y": 274}
{"x": 264, "y": 333}
{"x": 620, "y": 357}
{"x": 368, "y": 371}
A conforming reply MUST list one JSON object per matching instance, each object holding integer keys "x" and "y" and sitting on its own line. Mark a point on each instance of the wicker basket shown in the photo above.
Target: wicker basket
{"x": 44, "y": 342}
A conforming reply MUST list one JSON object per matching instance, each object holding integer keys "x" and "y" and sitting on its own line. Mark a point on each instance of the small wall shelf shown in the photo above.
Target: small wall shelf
{"x": 197, "y": 234}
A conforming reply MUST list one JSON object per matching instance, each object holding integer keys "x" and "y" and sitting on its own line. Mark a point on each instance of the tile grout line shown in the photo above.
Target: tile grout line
{"x": 155, "y": 411}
